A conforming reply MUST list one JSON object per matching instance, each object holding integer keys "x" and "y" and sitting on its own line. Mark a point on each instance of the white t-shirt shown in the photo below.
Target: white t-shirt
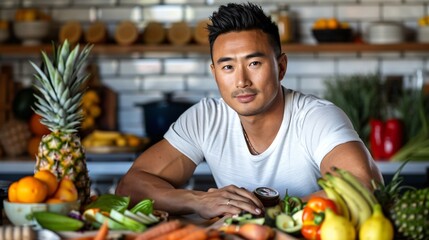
{"x": 311, "y": 127}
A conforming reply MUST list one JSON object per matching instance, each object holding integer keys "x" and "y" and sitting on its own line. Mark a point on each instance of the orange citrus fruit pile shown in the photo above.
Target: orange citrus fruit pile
{"x": 329, "y": 23}
{"x": 43, "y": 186}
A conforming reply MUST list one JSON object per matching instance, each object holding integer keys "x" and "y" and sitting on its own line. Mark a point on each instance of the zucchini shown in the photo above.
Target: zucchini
{"x": 57, "y": 222}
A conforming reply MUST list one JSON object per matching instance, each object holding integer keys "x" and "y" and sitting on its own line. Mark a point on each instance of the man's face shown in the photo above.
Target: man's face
{"x": 247, "y": 71}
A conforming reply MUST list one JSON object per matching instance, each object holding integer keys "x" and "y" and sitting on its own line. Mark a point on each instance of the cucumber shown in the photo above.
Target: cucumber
{"x": 149, "y": 218}
{"x": 57, "y": 222}
{"x": 259, "y": 221}
{"x": 128, "y": 222}
{"x": 113, "y": 225}
{"x": 287, "y": 223}
{"x": 245, "y": 218}
{"x": 145, "y": 206}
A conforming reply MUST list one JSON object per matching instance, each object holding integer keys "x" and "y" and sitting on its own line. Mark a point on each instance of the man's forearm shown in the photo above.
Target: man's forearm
{"x": 166, "y": 197}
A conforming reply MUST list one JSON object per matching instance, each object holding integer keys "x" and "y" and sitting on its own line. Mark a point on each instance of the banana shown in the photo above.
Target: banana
{"x": 353, "y": 210}
{"x": 107, "y": 135}
{"x": 350, "y": 195}
{"x": 333, "y": 195}
{"x": 352, "y": 180}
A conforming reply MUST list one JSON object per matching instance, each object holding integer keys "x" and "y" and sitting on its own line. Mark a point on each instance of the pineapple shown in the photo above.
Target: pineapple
{"x": 61, "y": 87}
{"x": 406, "y": 207}
{"x": 410, "y": 214}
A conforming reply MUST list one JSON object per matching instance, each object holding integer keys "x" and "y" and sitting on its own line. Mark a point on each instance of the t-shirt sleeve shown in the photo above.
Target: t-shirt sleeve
{"x": 325, "y": 127}
{"x": 186, "y": 133}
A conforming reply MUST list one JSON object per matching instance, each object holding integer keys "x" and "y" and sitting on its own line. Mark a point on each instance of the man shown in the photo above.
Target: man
{"x": 258, "y": 134}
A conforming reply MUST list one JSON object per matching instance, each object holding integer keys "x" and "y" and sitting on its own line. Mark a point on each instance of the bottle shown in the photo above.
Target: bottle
{"x": 284, "y": 20}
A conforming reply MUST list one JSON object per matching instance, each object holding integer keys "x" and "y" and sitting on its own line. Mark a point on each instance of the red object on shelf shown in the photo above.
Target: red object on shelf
{"x": 385, "y": 138}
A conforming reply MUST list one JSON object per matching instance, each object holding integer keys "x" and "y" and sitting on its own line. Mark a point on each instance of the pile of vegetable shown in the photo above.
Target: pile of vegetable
{"x": 349, "y": 211}
{"x": 108, "y": 208}
{"x": 380, "y": 111}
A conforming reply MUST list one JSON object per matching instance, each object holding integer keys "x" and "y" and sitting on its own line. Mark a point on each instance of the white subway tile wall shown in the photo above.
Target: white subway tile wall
{"x": 145, "y": 77}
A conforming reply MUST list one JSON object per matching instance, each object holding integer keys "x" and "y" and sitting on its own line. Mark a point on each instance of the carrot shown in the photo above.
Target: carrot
{"x": 252, "y": 231}
{"x": 102, "y": 232}
{"x": 177, "y": 234}
{"x": 160, "y": 229}
{"x": 213, "y": 234}
{"x": 230, "y": 228}
{"x": 198, "y": 234}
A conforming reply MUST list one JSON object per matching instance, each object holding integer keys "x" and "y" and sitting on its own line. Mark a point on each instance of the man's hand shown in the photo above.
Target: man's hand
{"x": 229, "y": 200}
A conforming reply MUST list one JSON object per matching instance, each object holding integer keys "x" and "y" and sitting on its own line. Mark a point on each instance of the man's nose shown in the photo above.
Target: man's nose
{"x": 242, "y": 78}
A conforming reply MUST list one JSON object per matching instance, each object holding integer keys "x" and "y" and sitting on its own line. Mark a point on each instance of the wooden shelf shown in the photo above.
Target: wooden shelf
{"x": 113, "y": 49}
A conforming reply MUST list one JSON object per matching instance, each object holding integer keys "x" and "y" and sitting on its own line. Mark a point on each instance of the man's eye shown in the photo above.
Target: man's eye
{"x": 227, "y": 67}
{"x": 254, "y": 63}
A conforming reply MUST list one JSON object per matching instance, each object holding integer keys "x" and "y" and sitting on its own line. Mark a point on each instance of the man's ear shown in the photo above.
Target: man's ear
{"x": 282, "y": 61}
{"x": 212, "y": 68}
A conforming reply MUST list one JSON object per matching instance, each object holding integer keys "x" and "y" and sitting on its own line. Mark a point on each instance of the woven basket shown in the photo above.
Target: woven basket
{"x": 14, "y": 137}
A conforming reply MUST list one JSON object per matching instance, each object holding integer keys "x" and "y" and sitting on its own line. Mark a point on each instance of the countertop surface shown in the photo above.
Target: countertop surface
{"x": 119, "y": 163}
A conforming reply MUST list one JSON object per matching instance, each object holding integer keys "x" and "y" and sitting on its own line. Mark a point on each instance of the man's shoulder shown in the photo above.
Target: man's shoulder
{"x": 211, "y": 104}
{"x": 302, "y": 100}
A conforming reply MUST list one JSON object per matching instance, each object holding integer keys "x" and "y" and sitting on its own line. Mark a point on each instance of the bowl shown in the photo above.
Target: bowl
{"x": 32, "y": 32}
{"x": 20, "y": 213}
{"x": 386, "y": 32}
{"x": 333, "y": 35}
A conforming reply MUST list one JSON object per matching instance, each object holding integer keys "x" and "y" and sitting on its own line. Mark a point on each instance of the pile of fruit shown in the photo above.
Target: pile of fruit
{"x": 42, "y": 187}
{"x": 329, "y": 23}
{"x": 350, "y": 211}
{"x": 91, "y": 109}
{"x": 31, "y": 14}
{"x": 100, "y": 138}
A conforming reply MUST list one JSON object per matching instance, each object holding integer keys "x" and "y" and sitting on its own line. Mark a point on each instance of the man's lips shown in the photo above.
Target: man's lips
{"x": 245, "y": 98}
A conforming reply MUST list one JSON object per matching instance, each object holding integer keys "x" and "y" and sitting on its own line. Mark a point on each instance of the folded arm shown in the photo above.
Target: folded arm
{"x": 161, "y": 171}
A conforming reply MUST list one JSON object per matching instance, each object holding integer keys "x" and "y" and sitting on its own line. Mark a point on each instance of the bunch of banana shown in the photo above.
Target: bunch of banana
{"x": 99, "y": 138}
{"x": 354, "y": 200}
{"x": 91, "y": 109}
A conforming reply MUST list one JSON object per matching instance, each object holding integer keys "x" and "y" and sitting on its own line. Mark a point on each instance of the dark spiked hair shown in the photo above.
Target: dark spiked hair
{"x": 241, "y": 17}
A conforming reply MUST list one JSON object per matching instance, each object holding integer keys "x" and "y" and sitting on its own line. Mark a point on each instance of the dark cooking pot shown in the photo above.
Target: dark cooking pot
{"x": 159, "y": 115}
{"x": 4, "y": 185}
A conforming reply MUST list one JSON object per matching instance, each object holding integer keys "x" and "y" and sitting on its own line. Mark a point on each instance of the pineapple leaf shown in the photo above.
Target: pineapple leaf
{"x": 68, "y": 72}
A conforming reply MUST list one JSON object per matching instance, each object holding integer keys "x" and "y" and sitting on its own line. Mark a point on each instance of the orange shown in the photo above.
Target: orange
{"x": 31, "y": 190}
{"x": 11, "y": 192}
{"x": 36, "y": 127}
{"x": 66, "y": 191}
{"x": 49, "y": 179}
{"x": 333, "y": 23}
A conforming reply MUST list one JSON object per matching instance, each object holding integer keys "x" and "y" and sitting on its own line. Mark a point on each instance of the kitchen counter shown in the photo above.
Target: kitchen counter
{"x": 118, "y": 164}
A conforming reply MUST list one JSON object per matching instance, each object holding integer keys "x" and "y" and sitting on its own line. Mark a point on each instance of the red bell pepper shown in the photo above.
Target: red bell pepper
{"x": 385, "y": 138}
{"x": 313, "y": 216}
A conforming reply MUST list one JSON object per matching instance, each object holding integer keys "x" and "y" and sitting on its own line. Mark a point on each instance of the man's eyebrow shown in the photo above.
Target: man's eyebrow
{"x": 249, "y": 56}
{"x": 255, "y": 54}
{"x": 223, "y": 59}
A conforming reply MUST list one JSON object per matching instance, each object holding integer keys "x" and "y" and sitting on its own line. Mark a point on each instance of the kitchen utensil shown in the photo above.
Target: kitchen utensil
{"x": 332, "y": 35}
{"x": 32, "y": 32}
{"x": 385, "y": 32}
{"x": 159, "y": 115}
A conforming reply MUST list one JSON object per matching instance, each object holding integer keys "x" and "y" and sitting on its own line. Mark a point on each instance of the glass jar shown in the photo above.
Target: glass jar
{"x": 284, "y": 20}
{"x": 268, "y": 196}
